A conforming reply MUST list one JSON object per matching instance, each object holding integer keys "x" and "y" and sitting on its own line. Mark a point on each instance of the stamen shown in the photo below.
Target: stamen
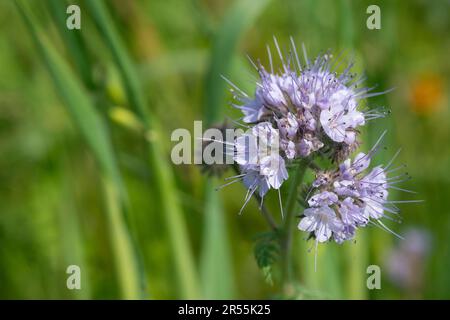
{"x": 279, "y": 53}
{"x": 270, "y": 58}
{"x": 233, "y": 85}
{"x": 294, "y": 49}
{"x": 389, "y": 230}
{"x": 305, "y": 55}
{"x": 227, "y": 184}
{"x": 281, "y": 204}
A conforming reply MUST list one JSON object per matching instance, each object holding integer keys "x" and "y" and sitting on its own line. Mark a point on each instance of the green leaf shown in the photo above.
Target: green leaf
{"x": 73, "y": 41}
{"x": 216, "y": 267}
{"x": 267, "y": 253}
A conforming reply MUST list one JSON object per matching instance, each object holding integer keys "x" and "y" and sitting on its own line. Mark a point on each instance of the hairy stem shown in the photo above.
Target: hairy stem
{"x": 286, "y": 231}
{"x": 266, "y": 213}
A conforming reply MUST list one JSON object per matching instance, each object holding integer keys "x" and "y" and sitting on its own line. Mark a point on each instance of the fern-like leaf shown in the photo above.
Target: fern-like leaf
{"x": 267, "y": 251}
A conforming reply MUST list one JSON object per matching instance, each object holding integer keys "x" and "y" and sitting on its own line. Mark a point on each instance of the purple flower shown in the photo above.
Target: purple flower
{"x": 357, "y": 195}
{"x": 253, "y": 109}
{"x": 262, "y": 168}
{"x": 261, "y": 141}
{"x": 325, "y": 198}
{"x": 253, "y": 180}
{"x": 351, "y": 213}
{"x": 311, "y": 105}
{"x": 302, "y": 111}
{"x": 321, "y": 221}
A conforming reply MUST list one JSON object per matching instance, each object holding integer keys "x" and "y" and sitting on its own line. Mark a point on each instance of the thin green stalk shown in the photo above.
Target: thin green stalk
{"x": 73, "y": 241}
{"x": 356, "y": 255}
{"x": 126, "y": 261}
{"x": 217, "y": 275}
{"x": 216, "y": 264}
{"x": 266, "y": 213}
{"x": 163, "y": 175}
{"x": 287, "y": 228}
{"x": 94, "y": 131}
{"x": 73, "y": 41}
{"x": 240, "y": 17}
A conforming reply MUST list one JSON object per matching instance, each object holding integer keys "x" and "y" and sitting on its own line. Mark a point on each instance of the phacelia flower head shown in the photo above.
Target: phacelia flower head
{"x": 261, "y": 165}
{"x": 356, "y": 195}
{"x": 297, "y": 113}
{"x": 311, "y": 103}
{"x": 302, "y": 109}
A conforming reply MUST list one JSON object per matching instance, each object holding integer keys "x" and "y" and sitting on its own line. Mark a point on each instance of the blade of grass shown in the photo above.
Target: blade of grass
{"x": 346, "y": 25}
{"x": 331, "y": 271}
{"x": 217, "y": 274}
{"x": 73, "y": 41}
{"x": 241, "y": 16}
{"x": 73, "y": 242}
{"x": 216, "y": 261}
{"x": 356, "y": 255}
{"x": 163, "y": 174}
{"x": 287, "y": 228}
{"x": 356, "y": 265}
{"x": 93, "y": 129}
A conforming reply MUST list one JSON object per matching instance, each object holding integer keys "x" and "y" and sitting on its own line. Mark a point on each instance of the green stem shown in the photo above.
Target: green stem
{"x": 125, "y": 257}
{"x": 266, "y": 213}
{"x": 286, "y": 230}
{"x": 94, "y": 131}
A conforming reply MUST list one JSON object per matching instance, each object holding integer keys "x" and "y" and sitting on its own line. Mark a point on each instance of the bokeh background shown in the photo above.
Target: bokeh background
{"x": 85, "y": 124}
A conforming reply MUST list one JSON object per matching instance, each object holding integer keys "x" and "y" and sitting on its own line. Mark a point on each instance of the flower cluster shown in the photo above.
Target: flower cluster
{"x": 304, "y": 111}
{"x": 258, "y": 155}
{"x": 349, "y": 197}
{"x": 304, "y": 108}
{"x": 311, "y": 105}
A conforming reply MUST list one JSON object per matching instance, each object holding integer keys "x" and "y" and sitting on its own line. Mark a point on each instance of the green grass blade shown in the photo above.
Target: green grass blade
{"x": 347, "y": 32}
{"x": 216, "y": 263}
{"x": 164, "y": 180}
{"x": 73, "y": 241}
{"x": 73, "y": 41}
{"x": 217, "y": 274}
{"x": 121, "y": 58}
{"x": 94, "y": 131}
{"x": 241, "y": 16}
{"x": 356, "y": 256}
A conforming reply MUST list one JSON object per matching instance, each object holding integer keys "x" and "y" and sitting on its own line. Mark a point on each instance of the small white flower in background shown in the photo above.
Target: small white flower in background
{"x": 406, "y": 262}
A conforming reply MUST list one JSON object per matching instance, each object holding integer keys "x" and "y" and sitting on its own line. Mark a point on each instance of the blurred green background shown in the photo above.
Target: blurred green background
{"x": 85, "y": 124}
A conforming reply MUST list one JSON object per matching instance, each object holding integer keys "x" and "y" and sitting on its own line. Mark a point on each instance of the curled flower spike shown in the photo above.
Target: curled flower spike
{"x": 350, "y": 197}
{"x": 294, "y": 113}
{"x": 312, "y": 105}
{"x": 261, "y": 165}
{"x": 299, "y": 112}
